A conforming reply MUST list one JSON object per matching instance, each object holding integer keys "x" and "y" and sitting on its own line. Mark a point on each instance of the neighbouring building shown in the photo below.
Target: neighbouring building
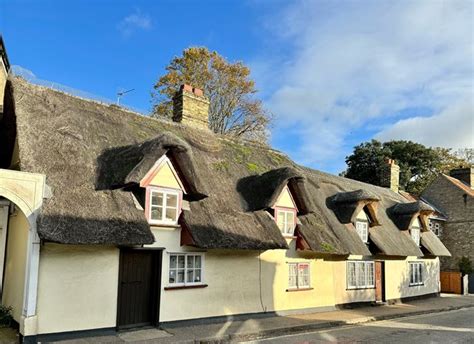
{"x": 114, "y": 220}
{"x": 453, "y": 196}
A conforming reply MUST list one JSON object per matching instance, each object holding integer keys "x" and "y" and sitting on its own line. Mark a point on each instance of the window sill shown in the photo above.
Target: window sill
{"x": 165, "y": 225}
{"x": 196, "y": 286}
{"x": 416, "y": 284}
{"x": 298, "y": 289}
{"x": 288, "y": 236}
{"x": 360, "y": 288}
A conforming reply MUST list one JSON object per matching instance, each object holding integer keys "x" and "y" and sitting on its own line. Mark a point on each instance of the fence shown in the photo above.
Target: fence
{"x": 451, "y": 282}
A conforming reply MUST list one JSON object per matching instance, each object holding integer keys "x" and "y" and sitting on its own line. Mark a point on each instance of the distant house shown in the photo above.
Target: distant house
{"x": 113, "y": 220}
{"x": 453, "y": 195}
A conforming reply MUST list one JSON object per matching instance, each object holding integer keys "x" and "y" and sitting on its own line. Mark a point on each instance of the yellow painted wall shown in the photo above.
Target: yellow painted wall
{"x": 397, "y": 278}
{"x": 233, "y": 280}
{"x": 285, "y": 200}
{"x": 362, "y": 215}
{"x": 77, "y": 288}
{"x": 166, "y": 178}
{"x": 15, "y": 263}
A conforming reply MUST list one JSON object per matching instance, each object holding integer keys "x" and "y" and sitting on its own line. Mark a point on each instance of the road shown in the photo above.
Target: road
{"x": 447, "y": 327}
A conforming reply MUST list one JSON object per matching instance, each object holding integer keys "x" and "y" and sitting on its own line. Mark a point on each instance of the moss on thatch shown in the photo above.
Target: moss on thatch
{"x": 93, "y": 156}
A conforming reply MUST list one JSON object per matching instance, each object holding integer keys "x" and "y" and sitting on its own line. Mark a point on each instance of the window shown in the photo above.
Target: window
{"x": 416, "y": 273}
{"x": 298, "y": 276}
{"x": 360, "y": 275}
{"x": 286, "y": 220}
{"x": 185, "y": 269}
{"x": 415, "y": 234}
{"x": 164, "y": 206}
{"x": 435, "y": 227}
{"x": 362, "y": 228}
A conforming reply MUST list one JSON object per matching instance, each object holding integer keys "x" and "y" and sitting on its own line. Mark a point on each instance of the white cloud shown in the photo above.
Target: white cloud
{"x": 451, "y": 128}
{"x": 134, "y": 21}
{"x": 359, "y": 64}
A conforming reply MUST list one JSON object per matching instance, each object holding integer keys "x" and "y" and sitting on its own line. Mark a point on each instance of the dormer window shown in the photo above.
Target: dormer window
{"x": 285, "y": 212}
{"x": 164, "y": 193}
{"x": 415, "y": 231}
{"x": 362, "y": 226}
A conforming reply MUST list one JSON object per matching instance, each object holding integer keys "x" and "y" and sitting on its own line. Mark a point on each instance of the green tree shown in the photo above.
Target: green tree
{"x": 233, "y": 110}
{"x": 419, "y": 165}
{"x": 465, "y": 265}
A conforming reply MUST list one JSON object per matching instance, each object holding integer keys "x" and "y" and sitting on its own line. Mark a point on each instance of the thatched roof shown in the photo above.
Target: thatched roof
{"x": 402, "y": 214}
{"x": 430, "y": 242}
{"x": 95, "y": 155}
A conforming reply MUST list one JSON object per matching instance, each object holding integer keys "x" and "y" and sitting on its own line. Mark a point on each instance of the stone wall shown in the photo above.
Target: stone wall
{"x": 458, "y": 231}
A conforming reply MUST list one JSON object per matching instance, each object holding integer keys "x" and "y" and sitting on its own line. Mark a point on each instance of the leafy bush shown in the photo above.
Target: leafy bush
{"x": 5, "y": 316}
{"x": 465, "y": 265}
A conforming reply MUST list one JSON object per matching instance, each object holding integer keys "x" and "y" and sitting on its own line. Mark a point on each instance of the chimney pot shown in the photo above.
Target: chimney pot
{"x": 198, "y": 92}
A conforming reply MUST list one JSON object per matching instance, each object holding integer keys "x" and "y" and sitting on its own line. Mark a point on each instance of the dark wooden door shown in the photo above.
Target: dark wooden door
{"x": 379, "y": 282}
{"x": 139, "y": 288}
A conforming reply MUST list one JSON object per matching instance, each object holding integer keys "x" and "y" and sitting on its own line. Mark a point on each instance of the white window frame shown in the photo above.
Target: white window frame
{"x": 435, "y": 227}
{"x": 417, "y": 272}
{"x": 363, "y": 233}
{"x": 286, "y": 211}
{"x": 165, "y": 192}
{"x": 299, "y": 278}
{"x": 186, "y": 255}
{"x": 364, "y": 266}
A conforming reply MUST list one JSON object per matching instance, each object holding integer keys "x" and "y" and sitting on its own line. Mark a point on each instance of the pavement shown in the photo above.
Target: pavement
{"x": 455, "y": 326}
{"x": 256, "y": 328}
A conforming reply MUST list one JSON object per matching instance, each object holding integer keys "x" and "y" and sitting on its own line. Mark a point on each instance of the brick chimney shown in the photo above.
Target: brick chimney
{"x": 390, "y": 175}
{"x": 466, "y": 175}
{"x": 4, "y": 68}
{"x": 191, "y": 107}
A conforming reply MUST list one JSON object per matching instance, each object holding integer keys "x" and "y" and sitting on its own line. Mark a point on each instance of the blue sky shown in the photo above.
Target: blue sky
{"x": 334, "y": 74}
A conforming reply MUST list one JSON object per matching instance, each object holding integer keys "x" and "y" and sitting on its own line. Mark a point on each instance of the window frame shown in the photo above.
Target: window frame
{"x": 186, "y": 255}
{"x": 366, "y": 284}
{"x": 298, "y": 285}
{"x": 435, "y": 227}
{"x": 416, "y": 272}
{"x": 165, "y": 191}
{"x": 367, "y": 224}
{"x": 286, "y": 210}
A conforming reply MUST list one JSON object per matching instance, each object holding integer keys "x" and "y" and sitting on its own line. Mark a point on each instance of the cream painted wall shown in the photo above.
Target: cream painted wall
{"x": 165, "y": 177}
{"x": 77, "y": 288}
{"x": 285, "y": 199}
{"x": 233, "y": 279}
{"x": 397, "y": 278}
{"x": 15, "y": 263}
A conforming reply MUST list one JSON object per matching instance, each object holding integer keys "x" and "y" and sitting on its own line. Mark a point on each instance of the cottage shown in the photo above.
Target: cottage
{"x": 113, "y": 220}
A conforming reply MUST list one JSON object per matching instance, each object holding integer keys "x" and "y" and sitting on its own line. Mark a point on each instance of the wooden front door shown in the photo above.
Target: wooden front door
{"x": 379, "y": 282}
{"x": 139, "y": 288}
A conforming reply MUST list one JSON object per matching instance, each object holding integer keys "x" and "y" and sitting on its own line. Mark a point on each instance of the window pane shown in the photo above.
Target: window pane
{"x": 370, "y": 274}
{"x": 290, "y": 220}
{"x": 170, "y": 214}
{"x": 180, "y": 276}
{"x": 172, "y": 277}
{"x": 197, "y": 275}
{"x": 360, "y": 268}
{"x": 197, "y": 260}
{"x": 181, "y": 262}
{"x": 190, "y": 262}
{"x": 156, "y": 213}
{"x": 281, "y": 220}
{"x": 189, "y": 276}
{"x": 173, "y": 259}
{"x": 157, "y": 198}
{"x": 351, "y": 274}
{"x": 172, "y": 200}
{"x": 292, "y": 275}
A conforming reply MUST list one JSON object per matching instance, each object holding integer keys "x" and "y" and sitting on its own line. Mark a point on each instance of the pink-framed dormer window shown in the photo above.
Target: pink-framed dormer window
{"x": 286, "y": 220}
{"x": 164, "y": 194}
{"x": 163, "y": 205}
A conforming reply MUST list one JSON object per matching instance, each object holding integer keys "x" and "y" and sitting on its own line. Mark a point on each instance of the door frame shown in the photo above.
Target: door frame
{"x": 380, "y": 263}
{"x": 156, "y": 294}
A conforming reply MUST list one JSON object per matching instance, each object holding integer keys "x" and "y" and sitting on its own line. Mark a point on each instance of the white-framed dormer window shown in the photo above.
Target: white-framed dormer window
{"x": 360, "y": 274}
{"x": 299, "y": 276}
{"x": 186, "y": 269}
{"x": 435, "y": 227}
{"x": 164, "y": 205}
{"x": 415, "y": 231}
{"x": 286, "y": 220}
{"x": 416, "y": 273}
{"x": 362, "y": 228}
